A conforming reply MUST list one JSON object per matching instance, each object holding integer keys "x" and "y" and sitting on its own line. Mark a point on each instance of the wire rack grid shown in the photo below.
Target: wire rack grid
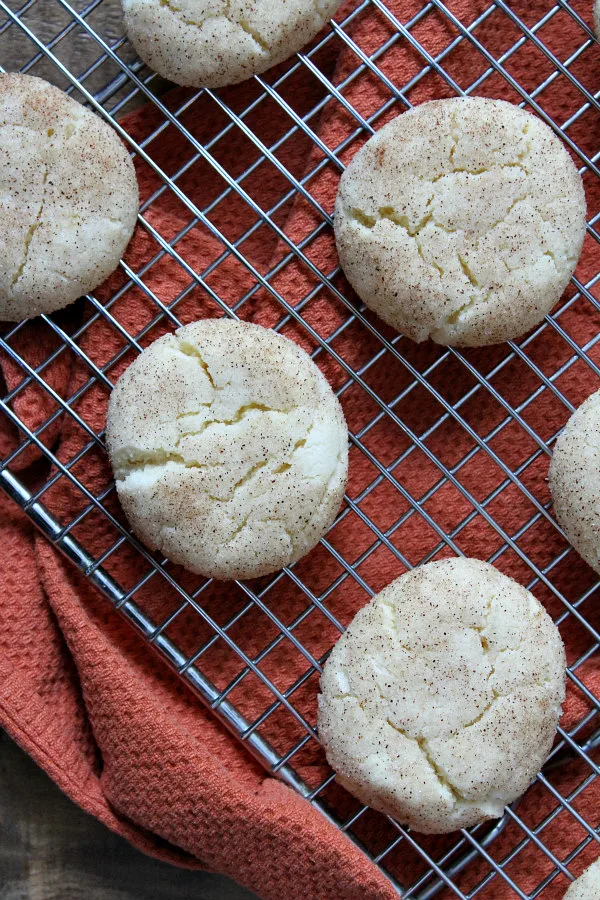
{"x": 438, "y": 504}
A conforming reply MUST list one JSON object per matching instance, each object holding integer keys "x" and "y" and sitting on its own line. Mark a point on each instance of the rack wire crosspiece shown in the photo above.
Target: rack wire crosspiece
{"x": 441, "y": 511}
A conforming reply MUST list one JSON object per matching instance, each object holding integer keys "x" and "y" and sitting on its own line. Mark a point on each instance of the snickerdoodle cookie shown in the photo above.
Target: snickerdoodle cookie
{"x": 68, "y": 198}
{"x": 440, "y": 703}
{"x": 461, "y": 221}
{"x": 229, "y": 449}
{"x": 211, "y": 43}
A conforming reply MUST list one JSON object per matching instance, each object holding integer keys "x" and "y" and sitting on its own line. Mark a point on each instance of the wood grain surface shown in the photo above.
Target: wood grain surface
{"x": 51, "y": 850}
{"x": 73, "y": 45}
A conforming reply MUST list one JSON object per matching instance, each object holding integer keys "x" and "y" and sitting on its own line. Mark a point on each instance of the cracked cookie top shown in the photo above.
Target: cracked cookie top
{"x": 229, "y": 449}
{"x": 212, "y": 43}
{"x": 440, "y": 703}
{"x": 575, "y": 480}
{"x": 68, "y": 198}
{"x": 461, "y": 221}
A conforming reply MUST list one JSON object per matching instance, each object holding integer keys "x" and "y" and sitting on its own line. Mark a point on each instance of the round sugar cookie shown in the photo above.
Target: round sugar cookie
{"x": 212, "y": 43}
{"x": 587, "y": 886}
{"x": 574, "y": 479}
{"x": 68, "y": 198}
{"x": 440, "y": 703}
{"x": 461, "y": 221}
{"x": 229, "y": 449}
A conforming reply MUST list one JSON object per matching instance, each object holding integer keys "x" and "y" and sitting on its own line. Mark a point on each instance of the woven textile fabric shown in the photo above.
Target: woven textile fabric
{"x": 81, "y": 692}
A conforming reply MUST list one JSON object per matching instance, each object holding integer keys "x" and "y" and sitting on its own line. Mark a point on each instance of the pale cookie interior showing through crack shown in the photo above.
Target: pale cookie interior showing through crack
{"x": 68, "y": 198}
{"x": 212, "y": 43}
{"x": 461, "y": 221}
{"x": 229, "y": 449}
{"x": 440, "y": 703}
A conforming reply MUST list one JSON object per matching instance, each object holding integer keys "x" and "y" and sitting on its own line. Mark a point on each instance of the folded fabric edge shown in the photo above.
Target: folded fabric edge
{"x": 90, "y": 799}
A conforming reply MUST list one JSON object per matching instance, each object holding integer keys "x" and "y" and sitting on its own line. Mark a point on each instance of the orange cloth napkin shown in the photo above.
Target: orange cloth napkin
{"x": 80, "y": 691}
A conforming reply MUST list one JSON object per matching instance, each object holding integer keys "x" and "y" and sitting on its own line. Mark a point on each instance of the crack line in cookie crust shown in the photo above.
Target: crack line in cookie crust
{"x": 440, "y": 702}
{"x": 227, "y": 446}
{"x": 460, "y": 221}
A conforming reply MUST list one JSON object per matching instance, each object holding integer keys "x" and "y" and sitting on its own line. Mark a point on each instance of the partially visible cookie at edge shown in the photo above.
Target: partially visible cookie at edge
{"x": 68, "y": 198}
{"x": 574, "y": 479}
{"x": 587, "y": 886}
{"x": 461, "y": 221}
{"x": 213, "y": 43}
{"x": 440, "y": 703}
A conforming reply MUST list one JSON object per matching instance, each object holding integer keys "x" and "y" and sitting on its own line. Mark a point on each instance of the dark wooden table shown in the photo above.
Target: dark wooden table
{"x": 51, "y": 850}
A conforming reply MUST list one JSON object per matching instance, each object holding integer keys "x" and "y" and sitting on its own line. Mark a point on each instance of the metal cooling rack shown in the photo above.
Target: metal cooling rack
{"x": 113, "y": 81}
